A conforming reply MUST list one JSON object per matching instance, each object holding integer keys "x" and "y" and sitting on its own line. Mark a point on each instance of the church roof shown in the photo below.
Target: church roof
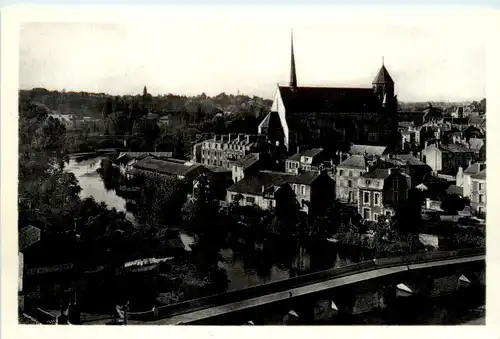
{"x": 272, "y": 119}
{"x": 383, "y": 76}
{"x": 330, "y": 99}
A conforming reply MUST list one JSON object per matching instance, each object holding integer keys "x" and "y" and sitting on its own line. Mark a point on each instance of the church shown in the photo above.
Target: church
{"x": 332, "y": 117}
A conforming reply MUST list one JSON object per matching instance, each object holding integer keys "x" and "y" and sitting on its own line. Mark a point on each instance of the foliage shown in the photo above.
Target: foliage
{"x": 159, "y": 201}
{"x": 453, "y": 203}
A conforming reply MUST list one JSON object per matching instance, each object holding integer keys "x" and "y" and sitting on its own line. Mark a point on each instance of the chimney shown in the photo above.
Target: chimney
{"x": 215, "y": 137}
{"x": 248, "y": 138}
{"x": 263, "y": 189}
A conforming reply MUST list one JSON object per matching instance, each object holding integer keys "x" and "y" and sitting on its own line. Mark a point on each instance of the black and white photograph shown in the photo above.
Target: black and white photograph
{"x": 251, "y": 173}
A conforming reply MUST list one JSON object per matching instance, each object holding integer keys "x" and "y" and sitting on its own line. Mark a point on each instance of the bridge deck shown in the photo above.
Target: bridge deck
{"x": 213, "y": 311}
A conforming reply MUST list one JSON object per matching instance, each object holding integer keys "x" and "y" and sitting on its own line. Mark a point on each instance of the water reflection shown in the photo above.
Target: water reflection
{"x": 246, "y": 262}
{"x": 93, "y": 186}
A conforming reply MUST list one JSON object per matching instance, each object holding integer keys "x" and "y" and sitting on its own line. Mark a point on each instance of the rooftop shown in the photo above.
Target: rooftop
{"x": 382, "y": 76}
{"x": 329, "y": 99}
{"x": 480, "y": 175}
{"x": 253, "y": 184}
{"x": 248, "y": 160}
{"x": 367, "y": 149}
{"x": 165, "y": 166}
{"x": 307, "y": 153}
{"x": 377, "y": 173}
{"x": 354, "y": 161}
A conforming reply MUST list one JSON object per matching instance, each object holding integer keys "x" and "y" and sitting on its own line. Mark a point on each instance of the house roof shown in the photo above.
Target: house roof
{"x": 248, "y": 160}
{"x": 307, "y": 153}
{"x": 329, "y": 99}
{"x": 454, "y": 189}
{"x": 377, "y": 173}
{"x": 165, "y": 166}
{"x": 253, "y": 184}
{"x": 480, "y": 175}
{"x": 383, "y": 76}
{"x": 454, "y": 148}
{"x": 306, "y": 178}
{"x": 477, "y": 120}
{"x": 367, "y": 149}
{"x": 410, "y": 159}
{"x": 134, "y": 155}
{"x": 475, "y": 168}
{"x": 354, "y": 161}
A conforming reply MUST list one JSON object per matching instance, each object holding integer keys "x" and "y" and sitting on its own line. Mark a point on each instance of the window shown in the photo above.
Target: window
{"x": 481, "y": 186}
{"x": 481, "y": 197}
{"x": 294, "y": 188}
{"x": 388, "y": 213}
{"x": 250, "y": 200}
{"x": 350, "y": 197}
{"x": 350, "y": 173}
{"x": 395, "y": 183}
{"x": 368, "y": 182}
{"x": 341, "y": 172}
{"x": 233, "y": 197}
{"x": 375, "y": 217}
{"x": 395, "y": 196}
{"x": 349, "y": 183}
{"x": 271, "y": 202}
{"x": 366, "y": 197}
{"x": 302, "y": 189}
{"x": 376, "y": 197}
{"x": 372, "y": 136}
{"x": 366, "y": 213}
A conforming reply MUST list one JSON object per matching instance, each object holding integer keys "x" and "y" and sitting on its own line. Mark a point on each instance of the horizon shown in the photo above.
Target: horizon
{"x": 118, "y": 58}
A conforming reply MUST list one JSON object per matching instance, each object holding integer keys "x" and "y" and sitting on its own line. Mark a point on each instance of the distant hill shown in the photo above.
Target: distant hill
{"x": 93, "y": 104}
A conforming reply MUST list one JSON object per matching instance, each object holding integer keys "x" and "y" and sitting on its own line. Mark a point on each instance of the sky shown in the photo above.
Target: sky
{"x": 427, "y": 64}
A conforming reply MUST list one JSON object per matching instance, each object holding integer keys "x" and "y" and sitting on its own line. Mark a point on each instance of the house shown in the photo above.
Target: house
{"x": 309, "y": 160}
{"x": 478, "y": 192}
{"x": 261, "y": 189}
{"x": 179, "y": 169}
{"x": 126, "y": 160}
{"x": 271, "y": 128}
{"x": 446, "y": 159}
{"x": 245, "y": 166}
{"x": 346, "y": 178}
{"x": 222, "y": 150}
{"x": 416, "y": 169}
{"x": 463, "y": 177}
{"x": 380, "y": 191}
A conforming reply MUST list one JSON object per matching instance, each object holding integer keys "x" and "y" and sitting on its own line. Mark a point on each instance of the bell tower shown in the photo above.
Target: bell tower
{"x": 383, "y": 87}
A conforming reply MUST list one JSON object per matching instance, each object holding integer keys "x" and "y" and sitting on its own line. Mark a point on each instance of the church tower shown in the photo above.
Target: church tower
{"x": 383, "y": 87}
{"x": 293, "y": 73}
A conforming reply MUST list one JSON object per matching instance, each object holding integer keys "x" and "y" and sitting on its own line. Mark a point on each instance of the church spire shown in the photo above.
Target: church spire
{"x": 293, "y": 74}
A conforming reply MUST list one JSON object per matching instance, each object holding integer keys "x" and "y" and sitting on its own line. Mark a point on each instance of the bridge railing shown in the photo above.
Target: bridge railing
{"x": 277, "y": 286}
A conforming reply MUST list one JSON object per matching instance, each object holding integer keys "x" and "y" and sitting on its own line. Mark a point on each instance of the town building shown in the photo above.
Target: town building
{"x": 463, "y": 177}
{"x": 380, "y": 191}
{"x": 446, "y": 159}
{"x": 126, "y": 160}
{"x": 347, "y": 174}
{"x": 327, "y": 116}
{"x": 262, "y": 188}
{"x": 416, "y": 169}
{"x": 309, "y": 160}
{"x": 478, "y": 192}
{"x": 222, "y": 150}
{"x": 250, "y": 164}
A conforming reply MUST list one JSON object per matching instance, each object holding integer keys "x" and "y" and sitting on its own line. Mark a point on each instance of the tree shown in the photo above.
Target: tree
{"x": 453, "y": 203}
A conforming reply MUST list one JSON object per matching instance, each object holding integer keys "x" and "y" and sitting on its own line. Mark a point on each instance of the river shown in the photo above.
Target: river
{"x": 248, "y": 263}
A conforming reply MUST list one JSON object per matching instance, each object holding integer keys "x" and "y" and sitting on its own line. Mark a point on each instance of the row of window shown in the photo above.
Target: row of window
{"x": 376, "y": 198}
{"x": 296, "y": 189}
{"x": 211, "y": 145}
{"x": 367, "y": 215}
{"x": 251, "y": 200}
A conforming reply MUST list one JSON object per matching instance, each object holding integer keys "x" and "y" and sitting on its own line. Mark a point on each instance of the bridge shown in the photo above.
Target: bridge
{"x": 352, "y": 289}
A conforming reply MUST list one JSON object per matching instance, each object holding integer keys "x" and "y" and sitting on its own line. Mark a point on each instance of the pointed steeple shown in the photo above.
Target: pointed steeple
{"x": 383, "y": 76}
{"x": 293, "y": 74}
